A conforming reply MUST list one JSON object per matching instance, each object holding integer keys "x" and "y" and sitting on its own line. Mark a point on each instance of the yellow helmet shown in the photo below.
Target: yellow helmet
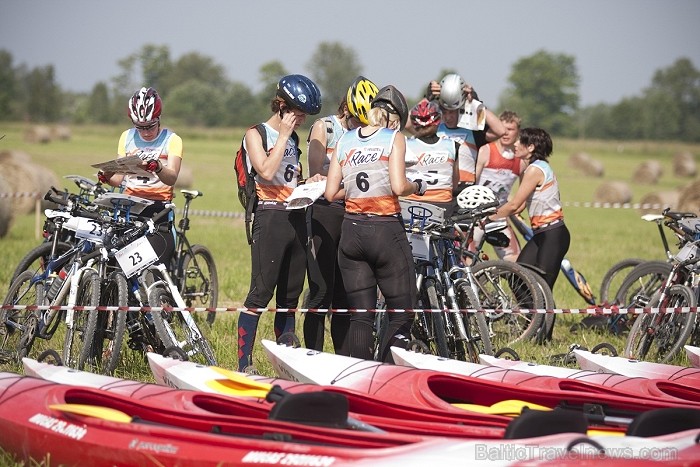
{"x": 360, "y": 95}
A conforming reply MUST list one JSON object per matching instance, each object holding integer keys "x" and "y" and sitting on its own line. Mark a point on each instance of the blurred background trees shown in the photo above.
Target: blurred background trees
{"x": 543, "y": 88}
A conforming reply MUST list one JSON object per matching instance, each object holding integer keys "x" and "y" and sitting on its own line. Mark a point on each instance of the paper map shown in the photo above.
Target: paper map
{"x": 130, "y": 165}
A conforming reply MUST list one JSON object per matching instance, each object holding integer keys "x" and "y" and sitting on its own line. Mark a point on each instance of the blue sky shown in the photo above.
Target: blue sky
{"x": 617, "y": 44}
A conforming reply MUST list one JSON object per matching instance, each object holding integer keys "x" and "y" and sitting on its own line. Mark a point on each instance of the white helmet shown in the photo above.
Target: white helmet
{"x": 474, "y": 196}
{"x": 452, "y": 95}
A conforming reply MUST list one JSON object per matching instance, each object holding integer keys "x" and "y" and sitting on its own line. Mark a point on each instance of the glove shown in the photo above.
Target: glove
{"x": 102, "y": 178}
{"x": 153, "y": 166}
{"x": 422, "y": 186}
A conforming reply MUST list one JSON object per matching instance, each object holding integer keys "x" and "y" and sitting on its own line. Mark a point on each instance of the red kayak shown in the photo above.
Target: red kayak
{"x": 388, "y": 416}
{"x": 576, "y": 380}
{"x": 444, "y": 391}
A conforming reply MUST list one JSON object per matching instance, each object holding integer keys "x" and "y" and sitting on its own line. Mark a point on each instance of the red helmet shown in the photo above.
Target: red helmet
{"x": 145, "y": 106}
{"x": 425, "y": 113}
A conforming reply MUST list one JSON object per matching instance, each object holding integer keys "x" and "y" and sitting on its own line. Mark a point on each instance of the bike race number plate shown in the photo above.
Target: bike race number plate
{"x": 85, "y": 228}
{"x": 136, "y": 256}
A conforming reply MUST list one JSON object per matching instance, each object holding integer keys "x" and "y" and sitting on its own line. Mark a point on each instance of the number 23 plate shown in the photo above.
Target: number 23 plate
{"x": 136, "y": 256}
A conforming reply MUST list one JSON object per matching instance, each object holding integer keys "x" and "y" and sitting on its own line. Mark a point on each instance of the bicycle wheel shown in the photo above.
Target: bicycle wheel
{"x": 175, "y": 330}
{"x": 613, "y": 278}
{"x": 641, "y": 283}
{"x": 477, "y": 329}
{"x": 200, "y": 282}
{"x": 508, "y": 286}
{"x": 431, "y": 331}
{"x": 38, "y": 257}
{"x": 79, "y": 333}
{"x": 106, "y": 342}
{"x": 660, "y": 336}
{"x": 18, "y": 327}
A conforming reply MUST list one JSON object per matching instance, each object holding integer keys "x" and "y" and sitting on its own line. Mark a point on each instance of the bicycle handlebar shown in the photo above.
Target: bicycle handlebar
{"x": 122, "y": 241}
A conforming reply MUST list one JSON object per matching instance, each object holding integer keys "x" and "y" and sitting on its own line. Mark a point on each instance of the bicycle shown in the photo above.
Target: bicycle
{"x": 445, "y": 286}
{"x": 668, "y": 332}
{"x": 71, "y": 279}
{"x": 148, "y": 283}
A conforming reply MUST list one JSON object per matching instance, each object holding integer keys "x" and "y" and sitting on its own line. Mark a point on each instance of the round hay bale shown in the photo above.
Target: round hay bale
{"x": 613, "y": 192}
{"x": 593, "y": 168}
{"x": 186, "y": 177}
{"x": 653, "y": 203}
{"x": 579, "y": 159}
{"x": 13, "y": 155}
{"x": 61, "y": 132}
{"x": 38, "y": 134}
{"x": 6, "y": 216}
{"x": 689, "y": 200}
{"x": 648, "y": 172}
{"x": 22, "y": 185}
{"x": 684, "y": 165}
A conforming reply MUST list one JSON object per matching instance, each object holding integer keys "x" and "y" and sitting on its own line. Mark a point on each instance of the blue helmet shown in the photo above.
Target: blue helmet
{"x": 300, "y": 92}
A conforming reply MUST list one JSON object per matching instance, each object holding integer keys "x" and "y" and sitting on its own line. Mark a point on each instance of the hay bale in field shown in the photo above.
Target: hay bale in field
{"x": 648, "y": 172}
{"x": 21, "y": 182}
{"x": 61, "y": 132}
{"x": 6, "y": 216}
{"x": 653, "y": 203}
{"x": 186, "y": 177}
{"x": 684, "y": 165}
{"x": 613, "y": 192}
{"x": 579, "y": 159}
{"x": 689, "y": 199}
{"x": 38, "y": 134}
{"x": 593, "y": 168}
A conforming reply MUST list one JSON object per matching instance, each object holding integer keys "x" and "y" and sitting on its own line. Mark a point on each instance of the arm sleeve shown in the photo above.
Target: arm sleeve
{"x": 121, "y": 147}
{"x": 175, "y": 146}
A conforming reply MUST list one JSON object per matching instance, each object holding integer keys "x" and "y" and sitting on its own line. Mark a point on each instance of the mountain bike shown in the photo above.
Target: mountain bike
{"x": 148, "y": 283}
{"x": 445, "y": 285}
{"x": 662, "y": 335}
{"x": 69, "y": 279}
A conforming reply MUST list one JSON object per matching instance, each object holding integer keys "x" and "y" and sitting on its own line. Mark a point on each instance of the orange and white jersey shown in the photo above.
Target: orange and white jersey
{"x": 544, "y": 205}
{"x": 500, "y": 173}
{"x": 437, "y": 160}
{"x": 364, "y": 162}
{"x": 166, "y": 143}
{"x": 285, "y": 179}
{"x": 468, "y": 150}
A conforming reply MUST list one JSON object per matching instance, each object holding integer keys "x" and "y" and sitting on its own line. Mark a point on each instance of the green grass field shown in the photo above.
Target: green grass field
{"x": 600, "y": 236}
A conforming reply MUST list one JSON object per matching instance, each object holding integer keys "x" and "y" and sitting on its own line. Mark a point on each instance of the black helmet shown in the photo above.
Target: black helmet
{"x": 390, "y": 99}
{"x": 300, "y": 92}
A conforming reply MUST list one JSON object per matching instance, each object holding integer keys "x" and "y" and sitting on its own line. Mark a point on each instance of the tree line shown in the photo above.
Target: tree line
{"x": 543, "y": 88}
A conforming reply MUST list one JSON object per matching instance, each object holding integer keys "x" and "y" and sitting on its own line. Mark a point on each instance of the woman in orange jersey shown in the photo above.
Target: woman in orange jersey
{"x": 278, "y": 248}
{"x": 326, "y": 288}
{"x": 161, "y": 152}
{"x": 368, "y": 171}
{"x": 539, "y": 190}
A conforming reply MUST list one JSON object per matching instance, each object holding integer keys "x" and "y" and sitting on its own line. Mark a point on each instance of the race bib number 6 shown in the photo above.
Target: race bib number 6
{"x": 136, "y": 256}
